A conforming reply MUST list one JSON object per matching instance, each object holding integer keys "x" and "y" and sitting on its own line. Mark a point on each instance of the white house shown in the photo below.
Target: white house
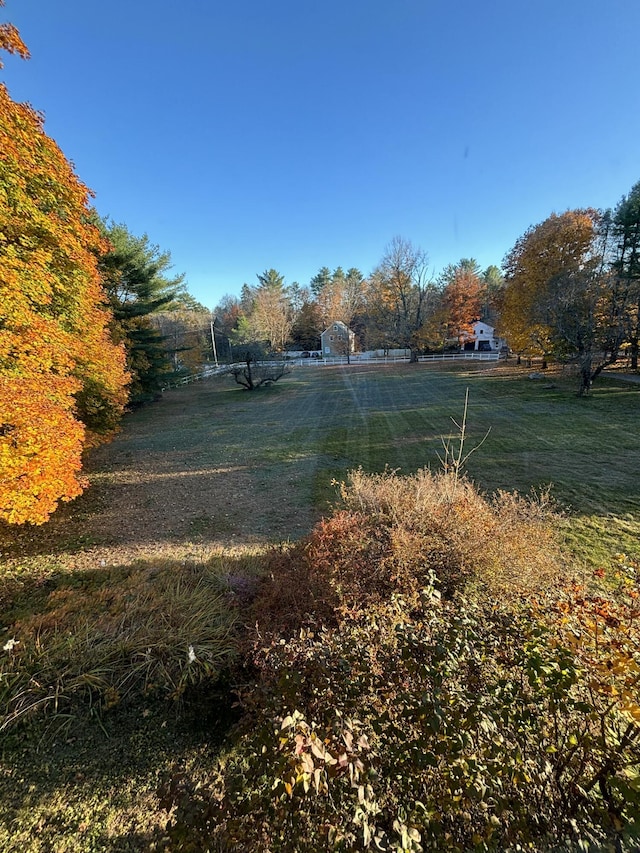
{"x": 338, "y": 339}
{"x": 482, "y": 339}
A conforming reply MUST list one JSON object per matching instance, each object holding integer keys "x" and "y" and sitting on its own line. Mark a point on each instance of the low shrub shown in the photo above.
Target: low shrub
{"x": 440, "y": 522}
{"x": 459, "y": 724}
{"x": 392, "y": 533}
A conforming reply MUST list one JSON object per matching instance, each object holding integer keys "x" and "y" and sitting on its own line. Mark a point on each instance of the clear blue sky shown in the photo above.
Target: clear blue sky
{"x": 246, "y": 134}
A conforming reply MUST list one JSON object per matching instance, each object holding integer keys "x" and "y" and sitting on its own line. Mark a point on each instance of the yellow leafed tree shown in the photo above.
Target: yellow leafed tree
{"x": 556, "y": 246}
{"x": 62, "y": 380}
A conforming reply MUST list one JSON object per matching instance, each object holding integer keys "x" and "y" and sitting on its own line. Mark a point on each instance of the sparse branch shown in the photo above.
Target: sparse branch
{"x": 251, "y": 374}
{"x": 455, "y": 458}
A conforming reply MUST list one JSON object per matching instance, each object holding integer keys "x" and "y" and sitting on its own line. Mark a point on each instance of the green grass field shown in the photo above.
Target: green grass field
{"x": 270, "y": 456}
{"x": 211, "y": 473}
{"x": 316, "y": 425}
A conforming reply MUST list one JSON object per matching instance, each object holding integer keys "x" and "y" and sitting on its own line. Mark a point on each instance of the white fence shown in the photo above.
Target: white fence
{"x": 472, "y": 355}
{"x": 206, "y": 372}
{"x": 366, "y": 358}
{"x": 355, "y": 358}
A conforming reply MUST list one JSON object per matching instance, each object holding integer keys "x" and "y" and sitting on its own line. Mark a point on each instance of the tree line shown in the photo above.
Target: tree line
{"x": 573, "y": 288}
{"x": 399, "y": 305}
{"x": 568, "y": 289}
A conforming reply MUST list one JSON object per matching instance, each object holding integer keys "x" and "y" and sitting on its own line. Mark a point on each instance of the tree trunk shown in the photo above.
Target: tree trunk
{"x": 244, "y": 375}
{"x": 585, "y": 377}
{"x": 633, "y": 352}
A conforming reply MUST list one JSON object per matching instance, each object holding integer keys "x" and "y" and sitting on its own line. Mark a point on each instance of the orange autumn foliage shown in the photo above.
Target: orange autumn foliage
{"x": 10, "y": 40}
{"x": 62, "y": 380}
{"x": 462, "y": 297}
{"x": 560, "y": 244}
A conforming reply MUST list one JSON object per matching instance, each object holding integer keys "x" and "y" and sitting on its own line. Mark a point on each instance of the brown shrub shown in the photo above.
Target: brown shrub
{"x": 506, "y": 543}
{"x": 291, "y": 595}
{"x": 393, "y": 534}
{"x": 340, "y": 567}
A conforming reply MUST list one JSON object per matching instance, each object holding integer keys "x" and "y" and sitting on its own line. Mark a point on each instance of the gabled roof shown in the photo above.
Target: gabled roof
{"x": 343, "y": 326}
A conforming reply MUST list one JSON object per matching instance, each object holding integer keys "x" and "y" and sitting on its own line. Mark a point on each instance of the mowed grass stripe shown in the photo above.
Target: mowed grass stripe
{"x": 293, "y": 439}
{"x": 587, "y": 451}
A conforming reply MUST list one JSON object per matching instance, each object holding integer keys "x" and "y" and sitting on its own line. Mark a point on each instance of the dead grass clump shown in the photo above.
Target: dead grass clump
{"x": 392, "y": 535}
{"x": 127, "y": 631}
{"x": 441, "y": 522}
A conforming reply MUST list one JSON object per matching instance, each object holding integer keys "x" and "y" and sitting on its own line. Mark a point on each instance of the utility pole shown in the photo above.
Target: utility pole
{"x": 213, "y": 342}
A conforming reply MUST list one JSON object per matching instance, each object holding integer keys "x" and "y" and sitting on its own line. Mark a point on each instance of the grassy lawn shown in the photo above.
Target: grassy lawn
{"x": 320, "y": 423}
{"x": 212, "y": 474}
{"x": 214, "y": 464}
{"x": 586, "y": 451}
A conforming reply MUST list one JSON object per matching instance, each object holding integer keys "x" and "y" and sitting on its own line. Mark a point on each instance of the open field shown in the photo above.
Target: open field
{"x": 212, "y": 465}
{"x": 211, "y": 475}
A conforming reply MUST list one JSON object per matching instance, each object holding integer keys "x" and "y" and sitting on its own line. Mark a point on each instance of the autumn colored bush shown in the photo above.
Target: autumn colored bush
{"x": 440, "y": 522}
{"x": 62, "y": 380}
{"x": 392, "y": 533}
{"x": 430, "y": 676}
{"x": 459, "y": 724}
{"x": 312, "y": 582}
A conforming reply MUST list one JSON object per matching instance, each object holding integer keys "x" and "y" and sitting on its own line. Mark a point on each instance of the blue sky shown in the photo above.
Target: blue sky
{"x": 244, "y": 135}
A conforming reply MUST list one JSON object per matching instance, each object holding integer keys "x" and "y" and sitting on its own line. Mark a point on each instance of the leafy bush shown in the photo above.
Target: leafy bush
{"x": 428, "y": 681}
{"x": 443, "y": 725}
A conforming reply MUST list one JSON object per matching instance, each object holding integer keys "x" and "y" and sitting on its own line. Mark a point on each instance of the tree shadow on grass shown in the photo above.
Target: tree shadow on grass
{"x": 99, "y": 782}
{"x": 135, "y": 511}
{"x": 86, "y": 772}
{"x": 202, "y": 465}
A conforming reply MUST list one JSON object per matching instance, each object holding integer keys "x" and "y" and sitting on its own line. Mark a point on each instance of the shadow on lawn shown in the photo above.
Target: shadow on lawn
{"x": 231, "y": 505}
{"x": 94, "y": 787}
{"x": 86, "y": 771}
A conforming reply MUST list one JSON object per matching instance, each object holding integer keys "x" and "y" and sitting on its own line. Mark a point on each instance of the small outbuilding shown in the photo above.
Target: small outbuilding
{"x": 338, "y": 339}
{"x": 482, "y": 339}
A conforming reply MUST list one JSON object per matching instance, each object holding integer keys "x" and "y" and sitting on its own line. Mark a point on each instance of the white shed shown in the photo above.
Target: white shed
{"x": 482, "y": 339}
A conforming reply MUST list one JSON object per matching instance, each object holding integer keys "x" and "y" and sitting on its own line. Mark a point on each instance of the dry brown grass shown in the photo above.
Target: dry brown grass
{"x": 507, "y": 542}
{"x": 398, "y": 534}
{"x": 125, "y": 632}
